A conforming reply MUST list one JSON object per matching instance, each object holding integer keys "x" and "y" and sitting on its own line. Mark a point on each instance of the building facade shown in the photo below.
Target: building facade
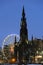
{"x": 27, "y": 49}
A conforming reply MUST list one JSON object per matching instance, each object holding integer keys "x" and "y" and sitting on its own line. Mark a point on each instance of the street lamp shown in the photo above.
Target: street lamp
{"x": 13, "y": 60}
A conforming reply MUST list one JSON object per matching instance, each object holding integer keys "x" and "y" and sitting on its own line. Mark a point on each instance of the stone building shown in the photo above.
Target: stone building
{"x": 27, "y": 48}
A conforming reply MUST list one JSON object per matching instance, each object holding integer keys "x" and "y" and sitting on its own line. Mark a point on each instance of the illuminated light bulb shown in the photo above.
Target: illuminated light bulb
{"x": 13, "y": 60}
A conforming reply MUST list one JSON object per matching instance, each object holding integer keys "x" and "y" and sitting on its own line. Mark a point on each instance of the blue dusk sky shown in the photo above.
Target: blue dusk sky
{"x": 11, "y": 13}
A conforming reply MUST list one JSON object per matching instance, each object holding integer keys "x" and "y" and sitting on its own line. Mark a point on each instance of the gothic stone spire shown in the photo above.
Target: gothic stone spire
{"x": 23, "y": 30}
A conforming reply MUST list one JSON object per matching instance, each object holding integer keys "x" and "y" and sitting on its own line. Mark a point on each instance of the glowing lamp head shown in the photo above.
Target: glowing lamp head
{"x": 13, "y": 60}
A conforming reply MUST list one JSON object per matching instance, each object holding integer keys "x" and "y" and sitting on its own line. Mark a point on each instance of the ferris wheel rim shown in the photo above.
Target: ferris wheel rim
{"x": 5, "y": 40}
{"x": 9, "y": 36}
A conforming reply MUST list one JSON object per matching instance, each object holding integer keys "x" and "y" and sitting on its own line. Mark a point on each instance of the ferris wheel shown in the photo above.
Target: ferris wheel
{"x": 9, "y": 41}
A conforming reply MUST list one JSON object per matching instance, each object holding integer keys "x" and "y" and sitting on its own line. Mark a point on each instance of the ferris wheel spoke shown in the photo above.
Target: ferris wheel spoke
{"x": 7, "y": 42}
